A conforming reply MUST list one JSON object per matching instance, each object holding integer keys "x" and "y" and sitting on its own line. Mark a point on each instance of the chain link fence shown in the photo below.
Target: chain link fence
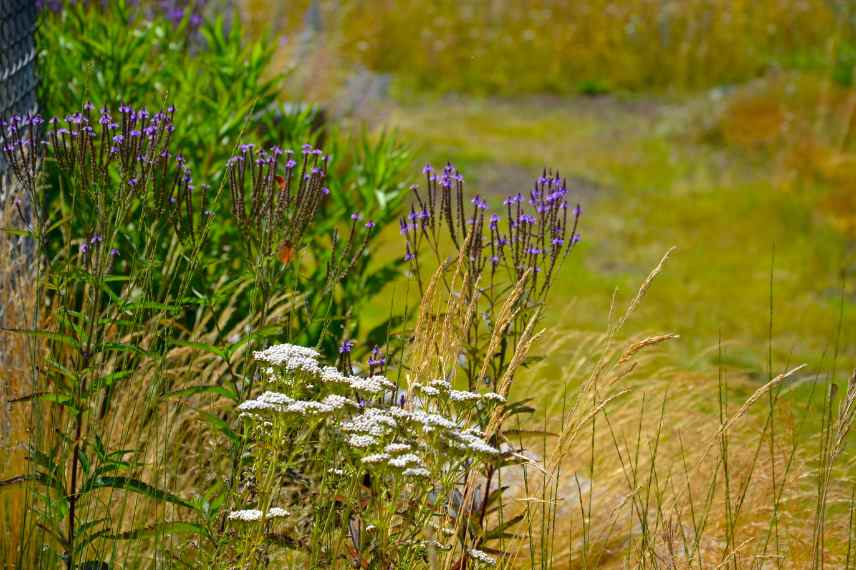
{"x": 17, "y": 64}
{"x": 17, "y": 96}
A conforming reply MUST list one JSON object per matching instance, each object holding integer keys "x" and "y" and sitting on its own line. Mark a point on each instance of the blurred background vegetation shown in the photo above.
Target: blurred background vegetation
{"x": 722, "y": 127}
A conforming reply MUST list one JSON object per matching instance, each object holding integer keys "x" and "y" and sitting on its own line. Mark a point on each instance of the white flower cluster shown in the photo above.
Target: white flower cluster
{"x": 463, "y": 396}
{"x": 469, "y": 441}
{"x": 372, "y": 384}
{"x": 403, "y": 461}
{"x": 482, "y": 557}
{"x": 252, "y": 515}
{"x": 361, "y": 441}
{"x": 276, "y": 402}
{"x": 397, "y": 448}
{"x": 372, "y": 421}
{"x": 418, "y": 472}
{"x": 375, "y": 458}
{"x": 442, "y": 388}
{"x": 290, "y": 357}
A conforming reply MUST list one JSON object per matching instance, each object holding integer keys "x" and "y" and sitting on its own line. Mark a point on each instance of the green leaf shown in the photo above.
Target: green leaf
{"x": 172, "y": 527}
{"x": 500, "y": 530}
{"x": 123, "y": 347}
{"x": 57, "y": 398}
{"x": 16, "y": 232}
{"x": 64, "y": 339}
{"x": 221, "y": 426}
{"x": 529, "y": 433}
{"x": 109, "y": 380}
{"x": 134, "y": 486}
{"x": 204, "y": 347}
{"x": 204, "y": 389}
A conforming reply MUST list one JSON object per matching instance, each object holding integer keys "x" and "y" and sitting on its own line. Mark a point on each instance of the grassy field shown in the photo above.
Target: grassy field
{"x": 685, "y": 400}
{"x": 649, "y": 177}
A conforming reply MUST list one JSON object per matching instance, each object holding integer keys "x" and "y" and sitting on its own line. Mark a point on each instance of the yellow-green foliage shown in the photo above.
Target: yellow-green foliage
{"x": 514, "y": 46}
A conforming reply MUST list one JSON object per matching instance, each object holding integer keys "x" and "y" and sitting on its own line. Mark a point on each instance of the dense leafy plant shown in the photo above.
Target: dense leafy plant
{"x": 130, "y": 55}
{"x": 115, "y": 296}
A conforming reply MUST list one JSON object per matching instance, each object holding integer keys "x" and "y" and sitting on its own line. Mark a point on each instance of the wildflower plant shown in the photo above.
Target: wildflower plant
{"x": 491, "y": 273}
{"x": 105, "y": 287}
{"x": 518, "y": 249}
{"x": 371, "y": 475}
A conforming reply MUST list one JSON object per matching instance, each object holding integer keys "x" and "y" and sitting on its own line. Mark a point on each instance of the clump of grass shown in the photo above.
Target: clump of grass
{"x": 658, "y": 467}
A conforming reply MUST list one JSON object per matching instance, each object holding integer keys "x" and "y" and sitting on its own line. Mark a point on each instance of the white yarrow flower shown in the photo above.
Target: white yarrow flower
{"x": 403, "y": 461}
{"x": 330, "y": 375}
{"x": 280, "y": 354}
{"x": 246, "y": 515}
{"x": 375, "y": 458}
{"x": 420, "y": 472}
{"x": 335, "y": 402}
{"x": 361, "y": 441}
{"x": 493, "y": 397}
{"x": 463, "y": 396}
{"x": 482, "y": 557}
{"x": 396, "y": 448}
{"x": 275, "y": 398}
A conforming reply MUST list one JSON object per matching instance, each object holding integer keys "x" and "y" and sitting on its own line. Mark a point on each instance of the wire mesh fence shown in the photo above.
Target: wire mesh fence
{"x": 17, "y": 62}
{"x": 17, "y": 96}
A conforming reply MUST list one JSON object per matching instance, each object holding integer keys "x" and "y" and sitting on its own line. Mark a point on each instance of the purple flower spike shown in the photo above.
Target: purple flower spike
{"x": 376, "y": 359}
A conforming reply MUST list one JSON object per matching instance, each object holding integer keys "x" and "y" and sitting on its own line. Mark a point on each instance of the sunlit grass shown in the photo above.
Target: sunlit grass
{"x": 648, "y": 183}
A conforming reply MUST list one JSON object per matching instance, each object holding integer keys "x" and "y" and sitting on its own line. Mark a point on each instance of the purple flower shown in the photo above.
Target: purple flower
{"x": 370, "y": 224}
{"x": 346, "y": 347}
{"x": 114, "y": 252}
{"x": 325, "y": 191}
{"x": 426, "y": 169}
{"x": 290, "y": 164}
{"x": 356, "y": 216}
{"x": 376, "y": 358}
